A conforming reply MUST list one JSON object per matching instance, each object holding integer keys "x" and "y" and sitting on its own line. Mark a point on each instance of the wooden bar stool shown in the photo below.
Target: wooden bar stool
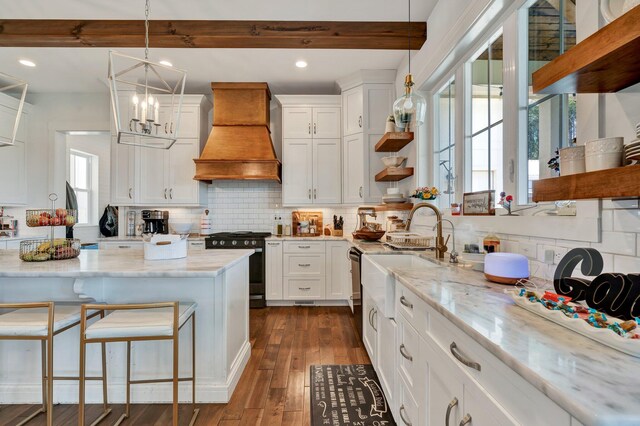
{"x": 42, "y": 321}
{"x": 138, "y": 322}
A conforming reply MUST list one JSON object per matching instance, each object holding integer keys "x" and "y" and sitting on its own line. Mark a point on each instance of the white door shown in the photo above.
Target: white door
{"x": 352, "y": 104}
{"x": 326, "y": 123}
{"x": 387, "y": 352}
{"x": 296, "y": 123}
{"x": 369, "y": 327}
{"x": 124, "y": 190}
{"x": 326, "y": 171}
{"x": 154, "y": 188}
{"x": 182, "y": 188}
{"x": 338, "y": 270}
{"x": 443, "y": 386}
{"x": 481, "y": 408}
{"x": 297, "y": 171}
{"x": 274, "y": 278}
{"x": 189, "y": 126}
{"x": 13, "y": 176}
{"x": 353, "y": 169}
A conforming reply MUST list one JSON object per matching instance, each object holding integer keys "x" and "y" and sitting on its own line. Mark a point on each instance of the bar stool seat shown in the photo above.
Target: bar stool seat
{"x": 139, "y": 323}
{"x": 34, "y": 322}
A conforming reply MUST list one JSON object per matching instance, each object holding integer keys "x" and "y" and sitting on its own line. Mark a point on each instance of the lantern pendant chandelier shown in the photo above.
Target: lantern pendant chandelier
{"x": 12, "y": 84}
{"x": 409, "y": 109}
{"x": 146, "y": 98}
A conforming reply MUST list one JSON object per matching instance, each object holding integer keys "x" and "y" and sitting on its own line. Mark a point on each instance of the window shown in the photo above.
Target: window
{"x": 551, "y": 119}
{"x": 81, "y": 170}
{"x": 485, "y": 166}
{"x": 445, "y": 143}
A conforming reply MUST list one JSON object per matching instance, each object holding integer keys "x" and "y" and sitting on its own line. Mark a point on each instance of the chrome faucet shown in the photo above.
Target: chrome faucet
{"x": 441, "y": 245}
{"x": 453, "y": 256}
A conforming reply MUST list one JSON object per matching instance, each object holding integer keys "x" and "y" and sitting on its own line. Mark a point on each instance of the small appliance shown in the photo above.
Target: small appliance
{"x": 155, "y": 221}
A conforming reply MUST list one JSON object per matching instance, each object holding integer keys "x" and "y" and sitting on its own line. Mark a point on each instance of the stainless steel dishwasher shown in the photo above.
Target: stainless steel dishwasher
{"x": 356, "y": 288}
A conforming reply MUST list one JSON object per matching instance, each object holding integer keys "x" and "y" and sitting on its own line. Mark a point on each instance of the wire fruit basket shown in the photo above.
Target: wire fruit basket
{"x": 409, "y": 241}
{"x": 43, "y": 249}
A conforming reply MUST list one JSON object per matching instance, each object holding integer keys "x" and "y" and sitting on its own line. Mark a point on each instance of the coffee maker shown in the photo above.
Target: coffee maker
{"x": 155, "y": 221}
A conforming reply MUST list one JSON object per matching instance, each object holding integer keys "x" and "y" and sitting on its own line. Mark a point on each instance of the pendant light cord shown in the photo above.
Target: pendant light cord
{"x": 146, "y": 30}
{"x": 409, "y": 36}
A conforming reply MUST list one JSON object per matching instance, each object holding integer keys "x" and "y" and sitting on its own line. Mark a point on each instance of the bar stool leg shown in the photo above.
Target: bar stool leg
{"x": 50, "y": 379}
{"x": 105, "y": 396}
{"x": 193, "y": 370}
{"x": 82, "y": 373}
{"x": 44, "y": 375}
{"x": 175, "y": 378}
{"x": 128, "y": 406}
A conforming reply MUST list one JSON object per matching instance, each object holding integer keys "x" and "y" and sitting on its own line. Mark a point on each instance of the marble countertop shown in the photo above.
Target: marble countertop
{"x": 124, "y": 263}
{"x": 124, "y": 238}
{"x": 309, "y": 238}
{"x": 594, "y": 383}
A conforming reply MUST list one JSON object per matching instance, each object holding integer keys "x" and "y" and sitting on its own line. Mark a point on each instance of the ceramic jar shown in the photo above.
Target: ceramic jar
{"x": 572, "y": 160}
{"x": 606, "y": 153}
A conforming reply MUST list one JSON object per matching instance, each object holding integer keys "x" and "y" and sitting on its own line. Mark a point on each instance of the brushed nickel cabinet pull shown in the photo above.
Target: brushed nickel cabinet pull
{"x": 373, "y": 320}
{"x": 315, "y": 193}
{"x": 452, "y": 404}
{"x": 360, "y": 192}
{"x": 309, "y": 193}
{"x": 465, "y": 420}
{"x": 304, "y": 288}
{"x": 130, "y": 190}
{"x": 304, "y": 265}
{"x": 404, "y": 353}
{"x": 405, "y": 302}
{"x": 360, "y": 122}
{"x": 314, "y": 128}
{"x": 405, "y": 421}
{"x": 456, "y": 353}
{"x": 304, "y": 247}
{"x": 171, "y": 193}
{"x": 165, "y": 193}
{"x": 309, "y": 128}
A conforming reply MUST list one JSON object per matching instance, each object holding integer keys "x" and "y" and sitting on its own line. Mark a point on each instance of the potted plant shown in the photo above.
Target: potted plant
{"x": 425, "y": 193}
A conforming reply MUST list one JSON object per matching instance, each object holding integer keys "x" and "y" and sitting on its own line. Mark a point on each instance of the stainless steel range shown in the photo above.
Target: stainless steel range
{"x": 245, "y": 240}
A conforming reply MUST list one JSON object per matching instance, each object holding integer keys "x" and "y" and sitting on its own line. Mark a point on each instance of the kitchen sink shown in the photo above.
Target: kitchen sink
{"x": 378, "y": 282}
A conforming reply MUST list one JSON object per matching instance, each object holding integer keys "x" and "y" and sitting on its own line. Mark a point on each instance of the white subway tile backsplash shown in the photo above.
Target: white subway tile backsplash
{"x": 626, "y": 264}
{"x": 617, "y": 243}
{"x": 626, "y": 220}
{"x": 606, "y": 220}
{"x": 620, "y": 204}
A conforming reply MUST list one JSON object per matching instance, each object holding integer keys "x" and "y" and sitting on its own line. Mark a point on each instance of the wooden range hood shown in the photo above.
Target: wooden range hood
{"x": 239, "y": 145}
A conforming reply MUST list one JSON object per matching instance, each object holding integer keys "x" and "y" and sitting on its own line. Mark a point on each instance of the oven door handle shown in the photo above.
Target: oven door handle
{"x": 258, "y": 249}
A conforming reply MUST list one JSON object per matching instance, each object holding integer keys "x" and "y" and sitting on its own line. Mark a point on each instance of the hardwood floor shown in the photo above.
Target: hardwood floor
{"x": 274, "y": 388}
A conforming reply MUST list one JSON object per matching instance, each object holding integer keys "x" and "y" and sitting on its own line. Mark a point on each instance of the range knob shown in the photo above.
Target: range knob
{"x": 246, "y": 242}
{"x": 214, "y": 242}
{"x": 221, "y": 243}
{"x": 234, "y": 242}
{"x": 253, "y": 243}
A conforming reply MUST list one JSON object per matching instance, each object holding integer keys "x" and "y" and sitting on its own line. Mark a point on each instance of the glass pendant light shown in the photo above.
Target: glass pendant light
{"x": 409, "y": 109}
{"x": 14, "y": 105}
{"x": 146, "y": 98}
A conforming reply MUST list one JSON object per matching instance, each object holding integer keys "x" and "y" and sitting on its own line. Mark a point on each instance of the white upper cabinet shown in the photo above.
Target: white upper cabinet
{"x": 312, "y": 150}
{"x": 367, "y": 100}
{"x": 297, "y": 178}
{"x": 326, "y": 123}
{"x": 296, "y": 123}
{"x": 142, "y": 176}
{"x": 13, "y": 159}
{"x": 353, "y": 111}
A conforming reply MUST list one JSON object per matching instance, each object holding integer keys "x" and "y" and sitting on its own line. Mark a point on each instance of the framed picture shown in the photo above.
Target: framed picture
{"x": 481, "y": 203}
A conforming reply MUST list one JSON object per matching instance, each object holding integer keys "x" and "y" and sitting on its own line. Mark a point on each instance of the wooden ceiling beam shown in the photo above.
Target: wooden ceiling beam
{"x": 212, "y": 34}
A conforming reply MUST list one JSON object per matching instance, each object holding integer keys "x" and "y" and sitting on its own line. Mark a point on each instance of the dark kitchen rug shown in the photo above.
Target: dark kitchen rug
{"x": 347, "y": 395}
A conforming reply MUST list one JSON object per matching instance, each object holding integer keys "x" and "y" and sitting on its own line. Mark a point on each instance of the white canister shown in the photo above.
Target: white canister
{"x": 390, "y": 127}
{"x": 602, "y": 154}
{"x": 572, "y": 160}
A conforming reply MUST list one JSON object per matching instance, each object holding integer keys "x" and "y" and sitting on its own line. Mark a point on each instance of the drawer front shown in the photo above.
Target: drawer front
{"x": 408, "y": 411}
{"x": 303, "y": 265}
{"x": 496, "y": 378}
{"x": 304, "y": 247}
{"x": 196, "y": 245}
{"x": 407, "y": 356}
{"x": 122, "y": 245}
{"x": 304, "y": 288}
{"x": 413, "y": 309}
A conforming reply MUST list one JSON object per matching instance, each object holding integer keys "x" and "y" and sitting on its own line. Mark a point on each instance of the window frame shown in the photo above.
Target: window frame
{"x": 452, "y": 147}
{"x": 92, "y": 219}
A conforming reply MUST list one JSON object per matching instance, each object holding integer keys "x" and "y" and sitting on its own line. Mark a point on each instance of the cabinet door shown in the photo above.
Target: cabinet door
{"x": 326, "y": 123}
{"x": 8, "y": 112}
{"x": 378, "y": 104}
{"x": 124, "y": 190}
{"x": 154, "y": 188}
{"x": 443, "y": 386}
{"x": 352, "y": 111}
{"x": 13, "y": 175}
{"x": 338, "y": 278}
{"x": 369, "y": 327}
{"x": 327, "y": 185}
{"x": 274, "y": 270}
{"x": 353, "y": 169}
{"x": 297, "y": 171}
{"x": 189, "y": 126}
{"x": 482, "y": 408}
{"x": 296, "y": 123}
{"x": 387, "y": 353}
{"x": 182, "y": 188}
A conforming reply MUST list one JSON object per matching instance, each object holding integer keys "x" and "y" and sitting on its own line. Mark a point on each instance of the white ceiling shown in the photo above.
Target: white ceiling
{"x": 85, "y": 69}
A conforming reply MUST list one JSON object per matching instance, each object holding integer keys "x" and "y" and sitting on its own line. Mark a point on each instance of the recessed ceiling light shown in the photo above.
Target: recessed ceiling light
{"x": 166, "y": 63}
{"x": 301, "y": 64}
{"x": 27, "y": 63}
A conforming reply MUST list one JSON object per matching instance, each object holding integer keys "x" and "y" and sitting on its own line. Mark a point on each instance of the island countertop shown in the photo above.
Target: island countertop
{"x": 124, "y": 263}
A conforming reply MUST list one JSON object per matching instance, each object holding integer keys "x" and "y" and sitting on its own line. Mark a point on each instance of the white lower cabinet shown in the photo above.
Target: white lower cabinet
{"x": 116, "y": 245}
{"x": 338, "y": 267}
{"x": 273, "y": 269}
{"x": 369, "y": 328}
{"x": 387, "y": 353}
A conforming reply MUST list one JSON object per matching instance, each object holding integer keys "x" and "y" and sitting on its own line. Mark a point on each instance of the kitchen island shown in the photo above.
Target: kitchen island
{"x": 217, "y": 280}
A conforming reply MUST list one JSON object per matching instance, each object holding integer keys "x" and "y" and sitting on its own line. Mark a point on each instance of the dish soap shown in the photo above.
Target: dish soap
{"x": 491, "y": 243}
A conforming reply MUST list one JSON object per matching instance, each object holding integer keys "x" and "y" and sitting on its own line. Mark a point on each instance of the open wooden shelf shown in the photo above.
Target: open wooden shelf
{"x": 389, "y": 207}
{"x": 621, "y": 182}
{"x": 607, "y": 61}
{"x": 393, "y": 141}
{"x": 394, "y": 174}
